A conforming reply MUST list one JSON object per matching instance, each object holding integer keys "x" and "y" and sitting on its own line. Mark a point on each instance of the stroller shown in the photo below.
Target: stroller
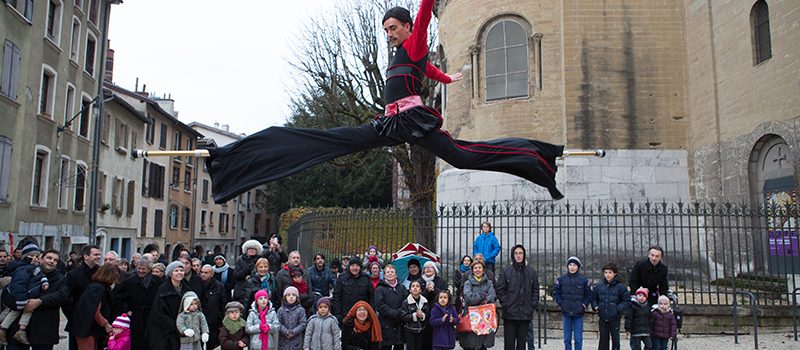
{"x": 676, "y": 310}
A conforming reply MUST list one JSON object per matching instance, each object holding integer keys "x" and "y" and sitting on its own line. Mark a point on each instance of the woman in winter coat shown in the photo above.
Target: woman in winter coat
{"x": 458, "y": 281}
{"x": 260, "y": 279}
{"x": 245, "y": 264}
{"x": 415, "y": 317}
{"x": 91, "y": 324}
{"x": 478, "y": 290}
{"x": 322, "y": 329}
{"x": 162, "y": 331}
{"x": 262, "y": 323}
{"x": 135, "y": 296}
{"x": 292, "y": 317}
{"x": 389, "y": 299}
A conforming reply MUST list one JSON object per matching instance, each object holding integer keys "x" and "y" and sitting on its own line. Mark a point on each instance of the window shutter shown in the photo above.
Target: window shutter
{"x": 5, "y": 167}
{"x": 15, "y": 62}
{"x": 5, "y": 85}
{"x": 29, "y": 10}
{"x": 131, "y": 194}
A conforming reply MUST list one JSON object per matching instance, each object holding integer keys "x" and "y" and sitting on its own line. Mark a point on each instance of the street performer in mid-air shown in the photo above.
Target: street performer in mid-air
{"x": 277, "y": 152}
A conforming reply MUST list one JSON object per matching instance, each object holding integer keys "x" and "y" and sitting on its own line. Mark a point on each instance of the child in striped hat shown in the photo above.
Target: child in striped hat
{"x": 28, "y": 283}
{"x": 120, "y": 338}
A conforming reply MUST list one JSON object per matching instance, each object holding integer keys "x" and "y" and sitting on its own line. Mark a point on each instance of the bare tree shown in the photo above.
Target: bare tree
{"x": 341, "y": 57}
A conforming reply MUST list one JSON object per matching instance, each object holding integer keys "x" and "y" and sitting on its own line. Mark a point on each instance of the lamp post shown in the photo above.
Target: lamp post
{"x": 98, "y": 125}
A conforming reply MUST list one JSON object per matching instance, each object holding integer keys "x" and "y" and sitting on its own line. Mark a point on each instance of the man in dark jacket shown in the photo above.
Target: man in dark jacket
{"x": 610, "y": 299}
{"x": 213, "y": 302}
{"x": 194, "y": 281}
{"x": 283, "y": 278}
{"x": 351, "y": 287}
{"x": 44, "y": 324}
{"x": 322, "y": 279}
{"x": 135, "y": 296}
{"x": 77, "y": 280}
{"x": 650, "y": 273}
{"x": 518, "y": 292}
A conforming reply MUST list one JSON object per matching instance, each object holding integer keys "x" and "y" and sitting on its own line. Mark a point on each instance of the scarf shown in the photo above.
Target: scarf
{"x": 462, "y": 268}
{"x": 221, "y": 269}
{"x": 478, "y": 279}
{"x": 392, "y": 284}
{"x": 371, "y": 324}
{"x": 428, "y": 279}
{"x": 375, "y": 281}
{"x": 264, "y": 335}
{"x": 265, "y": 282}
{"x": 233, "y": 326}
{"x": 302, "y": 287}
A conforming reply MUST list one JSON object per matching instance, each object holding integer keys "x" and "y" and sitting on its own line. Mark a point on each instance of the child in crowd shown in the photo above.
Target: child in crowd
{"x": 415, "y": 316}
{"x": 232, "y": 335}
{"x": 444, "y": 320}
{"x": 28, "y": 282}
{"x": 610, "y": 299}
{"x": 262, "y": 323}
{"x": 191, "y": 323}
{"x": 292, "y": 317}
{"x": 665, "y": 326}
{"x": 120, "y": 338}
{"x": 638, "y": 319}
{"x": 572, "y": 293}
{"x": 322, "y": 330}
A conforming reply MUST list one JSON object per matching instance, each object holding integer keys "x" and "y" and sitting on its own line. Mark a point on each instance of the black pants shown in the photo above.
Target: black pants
{"x": 515, "y": 334}
{"x": 609, "y": 330}
{"x": 393, "y": 347}
{"x": 414, "y": 341}
{"x": 278, "y": 152}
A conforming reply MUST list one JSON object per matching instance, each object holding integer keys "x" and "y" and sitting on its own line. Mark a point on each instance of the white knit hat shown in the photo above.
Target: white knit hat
{"x": 122, "y": 321}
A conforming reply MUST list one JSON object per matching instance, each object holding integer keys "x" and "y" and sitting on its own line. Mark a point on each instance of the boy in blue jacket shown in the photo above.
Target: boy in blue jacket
{"x": 572, "y": 293}
{"x": 28, "y": 282}
{"x": 486, "y": 243}
{"x": 610, "y": 299}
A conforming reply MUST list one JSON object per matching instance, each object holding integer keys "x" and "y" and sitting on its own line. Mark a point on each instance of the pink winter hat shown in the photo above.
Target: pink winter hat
{"x": 262, "y": 293}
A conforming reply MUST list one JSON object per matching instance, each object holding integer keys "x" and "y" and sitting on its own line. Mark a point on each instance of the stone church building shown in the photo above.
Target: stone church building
{"x": 693, "y": 99}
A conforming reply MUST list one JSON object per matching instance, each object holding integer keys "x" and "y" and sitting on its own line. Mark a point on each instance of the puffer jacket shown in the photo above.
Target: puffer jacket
{"x": 411, "y": 322}
{"x": 664, "y": 324}
{"x": 253, "y": 327}
{"x": 610, "y": 299}
{"x": 195, "y": 321}
{"x": 321, "y": 281}
{"x": 486, "y": 244}
{"x": 572, "y": 293}
{"x": 389, "y": 307}
{"x": 638, "y": 319}
{"x": 293, "y": 320}
{"x": 322, "y": 333}
{"x": 518, "y": 290}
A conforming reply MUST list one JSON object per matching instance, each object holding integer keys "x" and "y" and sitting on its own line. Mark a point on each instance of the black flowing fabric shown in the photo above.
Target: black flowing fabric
{"x": 278, "y": 152}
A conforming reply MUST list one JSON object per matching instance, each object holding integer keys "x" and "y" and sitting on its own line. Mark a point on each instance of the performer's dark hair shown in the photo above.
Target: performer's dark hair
{"x": 401, "y": 14}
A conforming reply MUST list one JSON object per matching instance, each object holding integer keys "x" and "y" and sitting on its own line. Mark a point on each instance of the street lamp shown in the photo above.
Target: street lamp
{"x": 98, "y": 125}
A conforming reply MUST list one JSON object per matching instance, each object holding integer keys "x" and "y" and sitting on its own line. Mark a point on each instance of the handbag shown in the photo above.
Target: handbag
{"x": 483, "y": 319}
{"x": 464, "y": 326}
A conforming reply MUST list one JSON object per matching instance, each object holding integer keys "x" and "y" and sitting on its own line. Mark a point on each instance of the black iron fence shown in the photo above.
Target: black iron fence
{"x": 713, "y": 250}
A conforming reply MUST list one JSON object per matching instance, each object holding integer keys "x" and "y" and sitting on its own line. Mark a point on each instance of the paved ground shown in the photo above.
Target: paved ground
{"x": 769, "y": 341}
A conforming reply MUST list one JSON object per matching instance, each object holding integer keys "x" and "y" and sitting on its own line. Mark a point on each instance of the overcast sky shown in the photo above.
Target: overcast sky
{"x": 222, "y": 61}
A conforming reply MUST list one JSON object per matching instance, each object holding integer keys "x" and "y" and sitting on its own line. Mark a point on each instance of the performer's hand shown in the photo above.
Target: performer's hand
{"x": 455, "y": 77}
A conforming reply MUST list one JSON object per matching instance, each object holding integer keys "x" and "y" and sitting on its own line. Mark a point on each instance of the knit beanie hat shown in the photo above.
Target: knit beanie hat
{"x": 323, "y": 300}
{"x": 122, "y": 321}
{"x": 372, "y": 247}
{"x": 30, "y": 248}
{"x": 354, "y": 261}
{"x": 262, "y": 293}
{"x": 575, "y": 260}
{"x": 221, "y": 257}
{"x": 642, "y": 290}
{"x": 171, "y": 267}
{"x": 291, "y": 290}
{"x": 430, "y": 264}
{"x": 234, "y": 305}
{"x": 295, "y": 271}
{"x": 413, "y": 261}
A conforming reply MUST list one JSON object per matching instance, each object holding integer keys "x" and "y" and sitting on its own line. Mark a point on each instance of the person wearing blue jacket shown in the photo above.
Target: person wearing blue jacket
{"x": 610, "y": 299}
{"x": 486, "y": 243}
{"x": 573, "y": 293}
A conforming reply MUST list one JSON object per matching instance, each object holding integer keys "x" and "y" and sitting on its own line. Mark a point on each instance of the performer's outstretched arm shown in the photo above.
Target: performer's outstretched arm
{"x": 417, "y": 43}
